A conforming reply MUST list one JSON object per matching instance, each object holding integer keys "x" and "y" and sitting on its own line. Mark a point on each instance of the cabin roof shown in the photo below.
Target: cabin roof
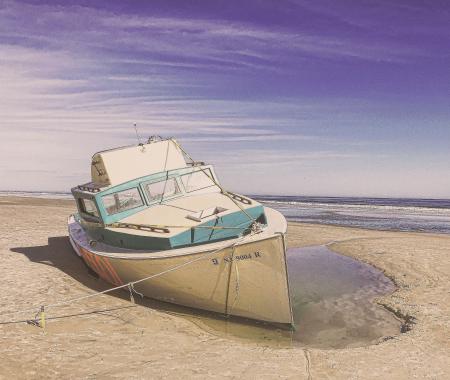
{"x": 116, "y": 166}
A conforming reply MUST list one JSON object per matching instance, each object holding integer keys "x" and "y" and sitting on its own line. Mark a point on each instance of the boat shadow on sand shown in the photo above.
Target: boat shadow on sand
{"x": 59, "y": 254}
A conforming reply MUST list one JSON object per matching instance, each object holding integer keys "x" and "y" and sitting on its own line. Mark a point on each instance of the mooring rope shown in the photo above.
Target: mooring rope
{"x": 215, "y": 182}
{"x": 129, "y": 285}
{"x": 167, "y": 173}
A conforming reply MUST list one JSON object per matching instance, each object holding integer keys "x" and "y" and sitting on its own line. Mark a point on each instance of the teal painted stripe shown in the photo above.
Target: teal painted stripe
{"x": 120, "y": 238}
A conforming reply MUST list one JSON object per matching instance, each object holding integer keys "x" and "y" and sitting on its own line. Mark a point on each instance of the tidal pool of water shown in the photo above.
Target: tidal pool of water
{"x": 333, "y": 299}
{"x": 333, "y": 303}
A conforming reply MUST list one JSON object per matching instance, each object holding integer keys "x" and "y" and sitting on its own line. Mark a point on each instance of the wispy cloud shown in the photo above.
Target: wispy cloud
{"x": 213, "y": 44}
{"x": 75, "y": 78}
{"x": 393, "y": 18}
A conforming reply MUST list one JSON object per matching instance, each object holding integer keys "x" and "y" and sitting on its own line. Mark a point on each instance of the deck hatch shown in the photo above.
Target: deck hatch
{"x": 206, "y": 213}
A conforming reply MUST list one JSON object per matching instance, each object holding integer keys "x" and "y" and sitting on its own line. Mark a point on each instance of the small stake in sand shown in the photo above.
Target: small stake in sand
{"x": 41, "y": 322}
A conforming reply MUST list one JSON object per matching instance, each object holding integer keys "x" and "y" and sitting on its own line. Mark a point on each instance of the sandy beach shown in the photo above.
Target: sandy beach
{"x": 109, "y": 337}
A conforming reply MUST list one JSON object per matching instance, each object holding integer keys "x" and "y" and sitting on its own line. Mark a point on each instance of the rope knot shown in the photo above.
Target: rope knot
{"x": 256, "y": 228}
{"x": 39, "y": 318}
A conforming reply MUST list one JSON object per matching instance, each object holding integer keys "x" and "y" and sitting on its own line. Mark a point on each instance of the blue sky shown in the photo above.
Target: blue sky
{"x": 283, "y": 97}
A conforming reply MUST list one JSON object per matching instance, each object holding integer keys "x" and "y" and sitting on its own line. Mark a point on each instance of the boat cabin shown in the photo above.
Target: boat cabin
{"x": 151, "y": 197}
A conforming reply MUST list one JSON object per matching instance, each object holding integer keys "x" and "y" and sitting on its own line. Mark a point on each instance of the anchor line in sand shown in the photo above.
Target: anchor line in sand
{"x": 129, "y": 285}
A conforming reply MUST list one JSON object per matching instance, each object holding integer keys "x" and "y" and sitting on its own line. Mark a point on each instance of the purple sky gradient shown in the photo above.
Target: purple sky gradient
{"x": 288, "y": 97}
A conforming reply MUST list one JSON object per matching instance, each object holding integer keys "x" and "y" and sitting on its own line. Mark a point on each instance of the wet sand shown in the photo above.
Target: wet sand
{"x": 122, "y": 340}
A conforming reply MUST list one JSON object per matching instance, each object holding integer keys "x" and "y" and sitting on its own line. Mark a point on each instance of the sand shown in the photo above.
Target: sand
{"x": 122, "y": 340}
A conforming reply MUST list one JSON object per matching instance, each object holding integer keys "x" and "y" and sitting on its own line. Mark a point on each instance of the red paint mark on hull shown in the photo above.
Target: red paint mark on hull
{"x": 101, "y": 266}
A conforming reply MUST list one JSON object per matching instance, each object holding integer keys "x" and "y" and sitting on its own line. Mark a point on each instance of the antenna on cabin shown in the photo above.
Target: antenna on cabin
{"x": 137, "y": 134}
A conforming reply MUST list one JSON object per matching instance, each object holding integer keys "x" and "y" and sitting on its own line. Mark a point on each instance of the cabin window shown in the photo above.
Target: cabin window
{"x": 197, "y": 180}
{"x": 163, "y": 189}
{"x": 122, "y": 201}
{"x": 88, "y": 207}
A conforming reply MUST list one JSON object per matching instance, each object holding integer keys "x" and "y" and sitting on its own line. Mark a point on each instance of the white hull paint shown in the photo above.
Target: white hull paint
{"x": 247, "y": 280}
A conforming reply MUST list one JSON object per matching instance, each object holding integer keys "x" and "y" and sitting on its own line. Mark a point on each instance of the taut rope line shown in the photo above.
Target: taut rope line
{"x": 129, "y": 285}
{"x": 215, "y": 182}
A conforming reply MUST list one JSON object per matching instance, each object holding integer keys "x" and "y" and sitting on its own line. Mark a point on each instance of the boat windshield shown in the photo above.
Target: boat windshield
{"x": 162, "y": 189}
{"x": 197, "y": 180}
{"x": 122, "y": 201}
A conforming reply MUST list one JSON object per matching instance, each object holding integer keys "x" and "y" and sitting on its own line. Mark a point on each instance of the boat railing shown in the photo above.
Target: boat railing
{"x": 166, "y": 229}
{"x": 89, "y": 187}
{"x": 240, "y": 198}
{"x": 196, "y": 163}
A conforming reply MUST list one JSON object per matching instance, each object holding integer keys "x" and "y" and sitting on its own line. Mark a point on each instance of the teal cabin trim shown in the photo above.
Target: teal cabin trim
{"x": 139, "y": 183}
{"x": 119, "y": 238}
{"x": 194, "y": 236}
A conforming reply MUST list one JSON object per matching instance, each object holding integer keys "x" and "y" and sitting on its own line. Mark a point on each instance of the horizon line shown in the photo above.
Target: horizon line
{"x": 31, "y": 192}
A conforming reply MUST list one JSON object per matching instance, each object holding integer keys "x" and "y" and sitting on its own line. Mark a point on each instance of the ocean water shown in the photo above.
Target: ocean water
{"x": 395, "y": 214}
{"x": 37, "y": 194}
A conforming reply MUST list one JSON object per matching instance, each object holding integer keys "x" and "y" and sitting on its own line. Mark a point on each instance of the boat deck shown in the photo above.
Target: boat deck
{"x": 276, "y": 224}
{"x": 183, "y": 221}
{"x": 182, "y": 214}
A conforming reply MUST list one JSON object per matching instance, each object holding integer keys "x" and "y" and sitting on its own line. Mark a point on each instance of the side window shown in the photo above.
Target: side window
{"x": 88, "y": 206}
{"x": 163, "y": 189}
{"x": 122, "y": 201}
{"x": 197, "y": 180}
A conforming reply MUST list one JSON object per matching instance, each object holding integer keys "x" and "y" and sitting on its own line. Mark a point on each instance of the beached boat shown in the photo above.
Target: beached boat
{"x": 153, "y": 218}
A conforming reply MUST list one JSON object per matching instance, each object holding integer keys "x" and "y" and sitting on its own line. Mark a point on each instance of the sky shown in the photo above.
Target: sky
{"x": 290, "y": 97}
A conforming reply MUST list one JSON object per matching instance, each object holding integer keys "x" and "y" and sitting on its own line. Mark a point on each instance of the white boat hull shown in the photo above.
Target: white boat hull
{"x": 248, "y": 279}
